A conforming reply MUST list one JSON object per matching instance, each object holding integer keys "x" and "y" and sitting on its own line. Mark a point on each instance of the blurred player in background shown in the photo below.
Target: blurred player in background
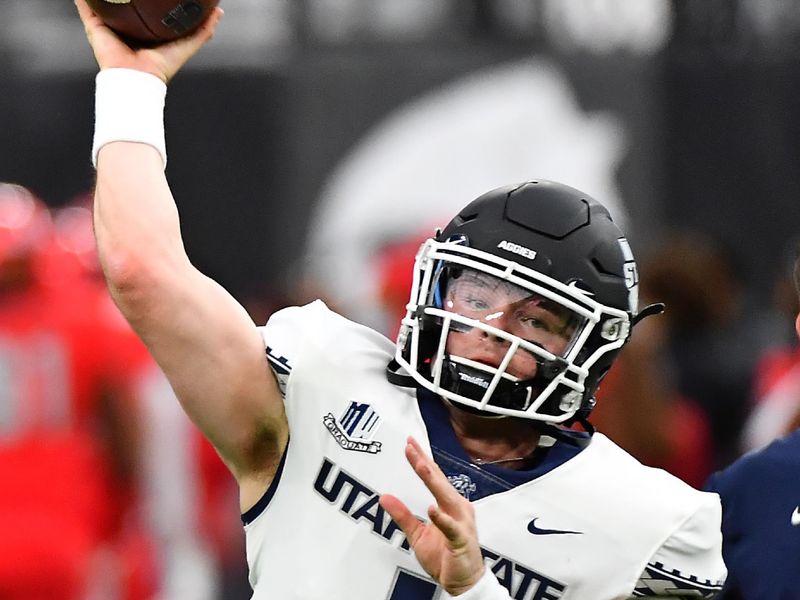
{"x": 69, "y": 425}
{"x": 761, "y": 515}
{"x": 183, "y": 494}
{"x": 641, "y": 409}
{"x": 715, "y": 334}
{"x": 519, "y": 307}
{"x": 183, "y": 491}
{"x": 776, "y": 402}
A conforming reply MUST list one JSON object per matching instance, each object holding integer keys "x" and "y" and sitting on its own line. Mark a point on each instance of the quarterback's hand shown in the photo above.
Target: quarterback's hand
{"x": 163, "y": 61}
{"x": 447, "y": 547}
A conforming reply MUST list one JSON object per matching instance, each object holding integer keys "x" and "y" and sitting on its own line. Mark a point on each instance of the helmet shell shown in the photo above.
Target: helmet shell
{"x": 556, "y": 230}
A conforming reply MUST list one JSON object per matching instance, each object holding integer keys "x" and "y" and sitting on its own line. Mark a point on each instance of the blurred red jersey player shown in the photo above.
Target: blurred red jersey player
{"x": 68, "y": 438}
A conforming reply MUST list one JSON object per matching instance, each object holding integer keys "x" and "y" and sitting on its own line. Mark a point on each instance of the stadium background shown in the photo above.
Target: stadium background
{"x": 710, "y": 104}
{"x": 258, "y": 123}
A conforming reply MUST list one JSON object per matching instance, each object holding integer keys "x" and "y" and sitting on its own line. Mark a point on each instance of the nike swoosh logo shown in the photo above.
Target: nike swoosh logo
{"x": 796, "y": 517}
{"x": 539, "y": 531}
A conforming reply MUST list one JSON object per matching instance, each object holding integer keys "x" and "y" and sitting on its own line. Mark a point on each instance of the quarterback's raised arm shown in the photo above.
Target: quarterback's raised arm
{"x": 200, "y": 335}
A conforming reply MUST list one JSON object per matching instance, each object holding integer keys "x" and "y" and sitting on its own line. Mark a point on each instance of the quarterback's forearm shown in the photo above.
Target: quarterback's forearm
{"x": 136, "y": 222}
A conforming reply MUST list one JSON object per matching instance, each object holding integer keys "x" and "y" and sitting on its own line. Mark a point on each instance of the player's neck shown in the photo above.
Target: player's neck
{"x": 505, "y": 441}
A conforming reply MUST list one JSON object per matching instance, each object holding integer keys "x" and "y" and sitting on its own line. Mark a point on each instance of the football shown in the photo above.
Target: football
{"x": 150, "y": 22}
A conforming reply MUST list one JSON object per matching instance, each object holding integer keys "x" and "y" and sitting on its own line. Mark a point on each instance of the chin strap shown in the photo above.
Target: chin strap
{"x": 397, "y": 376}
{"x": 583, "y": 421}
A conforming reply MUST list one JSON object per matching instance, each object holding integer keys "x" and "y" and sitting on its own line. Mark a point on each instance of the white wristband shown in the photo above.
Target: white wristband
{"x": 487, "y": 588}
{"x": 129, "y": 107}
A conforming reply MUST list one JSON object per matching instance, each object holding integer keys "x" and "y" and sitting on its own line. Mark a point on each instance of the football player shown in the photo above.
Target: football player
{"x": 435, "y": 467}
{"x": 69, "y": 427}
{"x": 761, "y": 515}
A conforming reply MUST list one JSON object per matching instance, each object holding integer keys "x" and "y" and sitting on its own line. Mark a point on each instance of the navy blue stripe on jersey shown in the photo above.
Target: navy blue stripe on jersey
{"x": 279, "y": 363}
{"x": 657, "y": 578}
{"x": 264, "y": 501}
{"x": 451, "y": 457}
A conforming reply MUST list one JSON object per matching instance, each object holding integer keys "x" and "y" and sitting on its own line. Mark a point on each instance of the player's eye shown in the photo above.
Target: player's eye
{"x": 544, "y": 321}
{"x": 475, "y": 303}
{"x": 533, "y": 323}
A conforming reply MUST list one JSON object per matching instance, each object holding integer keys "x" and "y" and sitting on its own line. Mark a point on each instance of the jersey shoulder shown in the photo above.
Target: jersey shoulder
{"x": 316, "y": 323}
{"x": 312, "y": 339}
{"x": 629, "y": 494}
{"x": 655, "y": 498}
{"x": 685, "y": 521}
{"x": 656, "y": 485}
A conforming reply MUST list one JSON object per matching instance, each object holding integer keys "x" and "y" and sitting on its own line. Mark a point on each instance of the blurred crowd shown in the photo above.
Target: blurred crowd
{"x": 696, "y": 378}
{"x": 110, "y": 486}
{"x": 108, "y": 491}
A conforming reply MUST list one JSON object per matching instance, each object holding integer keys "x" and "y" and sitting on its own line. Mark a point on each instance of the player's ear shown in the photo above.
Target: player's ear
{"x": 797, "y": 325}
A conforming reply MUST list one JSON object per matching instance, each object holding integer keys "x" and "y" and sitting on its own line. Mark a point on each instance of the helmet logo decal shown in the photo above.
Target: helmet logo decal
{"x": 631, "y": 274}
{"x": 517, "y": 249}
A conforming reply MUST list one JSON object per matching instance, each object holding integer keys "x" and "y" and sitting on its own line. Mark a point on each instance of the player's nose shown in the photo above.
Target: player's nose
{"x": 492, "y": 349}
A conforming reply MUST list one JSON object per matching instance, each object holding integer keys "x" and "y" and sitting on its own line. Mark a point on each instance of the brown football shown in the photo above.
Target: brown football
{"x": 148, "y": 22}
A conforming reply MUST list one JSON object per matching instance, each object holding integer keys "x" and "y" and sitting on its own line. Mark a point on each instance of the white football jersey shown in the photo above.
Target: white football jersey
{"x": 597, "y": 526}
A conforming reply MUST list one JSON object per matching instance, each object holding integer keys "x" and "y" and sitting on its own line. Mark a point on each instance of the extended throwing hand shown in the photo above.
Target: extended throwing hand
{"x": 446, "y": 547}
{"x": 163, "y": 61}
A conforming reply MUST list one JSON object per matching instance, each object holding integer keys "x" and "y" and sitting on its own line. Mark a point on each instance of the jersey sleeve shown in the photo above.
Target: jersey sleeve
{"x": 689, "y": 563}
{"x": 284, "y": 338}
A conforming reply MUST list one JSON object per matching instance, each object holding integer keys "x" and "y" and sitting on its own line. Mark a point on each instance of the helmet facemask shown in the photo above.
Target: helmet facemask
{"x": 489, "y": 334}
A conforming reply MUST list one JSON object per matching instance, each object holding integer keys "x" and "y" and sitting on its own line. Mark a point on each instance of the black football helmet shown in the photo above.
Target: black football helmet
{"x": 540, "y": 273}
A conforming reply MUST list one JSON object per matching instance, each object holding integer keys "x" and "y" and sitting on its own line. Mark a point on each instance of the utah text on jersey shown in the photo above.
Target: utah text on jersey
{"x": 356, "y": 500}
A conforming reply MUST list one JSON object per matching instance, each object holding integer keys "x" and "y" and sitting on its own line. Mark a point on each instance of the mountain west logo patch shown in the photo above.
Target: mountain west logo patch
{"x": 355, "y": 429}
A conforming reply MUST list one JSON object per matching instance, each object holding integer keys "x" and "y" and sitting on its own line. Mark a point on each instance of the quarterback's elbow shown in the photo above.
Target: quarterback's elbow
{"x": 136, "y": 278}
